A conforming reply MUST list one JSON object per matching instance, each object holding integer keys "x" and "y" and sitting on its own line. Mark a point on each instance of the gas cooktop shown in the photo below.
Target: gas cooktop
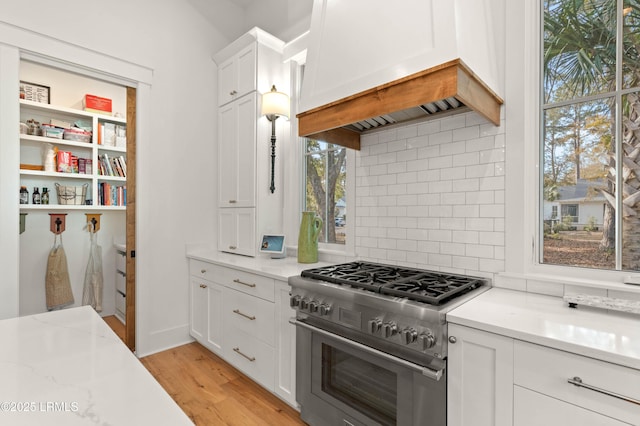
{"x": 430, "y": 287}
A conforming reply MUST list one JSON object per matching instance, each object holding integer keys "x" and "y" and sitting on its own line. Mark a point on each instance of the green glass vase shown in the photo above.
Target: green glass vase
{"x": 310, "y": 227}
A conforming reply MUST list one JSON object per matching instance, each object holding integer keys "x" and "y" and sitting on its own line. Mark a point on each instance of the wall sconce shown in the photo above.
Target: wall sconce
{"x": 274, "y": 105}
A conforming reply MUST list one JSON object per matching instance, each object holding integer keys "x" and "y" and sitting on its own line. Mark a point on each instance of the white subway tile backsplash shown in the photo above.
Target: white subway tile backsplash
{"x": 431, "y": 195}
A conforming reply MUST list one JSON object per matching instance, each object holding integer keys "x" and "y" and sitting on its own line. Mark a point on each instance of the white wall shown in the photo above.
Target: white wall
{"x": 431, "y": 195}
{"x": 176, "y": 151}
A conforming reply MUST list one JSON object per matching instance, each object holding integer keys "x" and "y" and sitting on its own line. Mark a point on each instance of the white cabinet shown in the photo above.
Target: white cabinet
{"x": 243, "y": 317}
{"x": 497, "y": 380}
{"x": 547, "y": 372}
{"x": 247, "y": 68}
{"x": 285, "y": 380}
{"x": 205, "y": 307}
{"x": 237, "y": 123}
{"x": 479, "y": 378}
{"x": 237, "y": 75}
{"x": 121, "y": 285}
{"x": 236, "y": 231}
{"x": 97, "y": 182}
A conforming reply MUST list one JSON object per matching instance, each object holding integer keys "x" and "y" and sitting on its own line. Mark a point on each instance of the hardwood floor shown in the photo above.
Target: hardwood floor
{"x": 210, "y": 391}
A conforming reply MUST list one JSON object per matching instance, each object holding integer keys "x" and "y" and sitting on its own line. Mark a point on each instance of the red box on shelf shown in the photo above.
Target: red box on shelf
{"x": 95, "y": 103}
{"x": 64, "y": 161}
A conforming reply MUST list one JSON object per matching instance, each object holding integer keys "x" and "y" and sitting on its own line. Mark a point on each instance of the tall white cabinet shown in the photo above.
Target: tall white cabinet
{"x": 247, "y": 68}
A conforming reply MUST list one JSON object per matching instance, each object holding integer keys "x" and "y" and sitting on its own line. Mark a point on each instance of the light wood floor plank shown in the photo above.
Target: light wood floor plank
{"x": 212, "y": 392}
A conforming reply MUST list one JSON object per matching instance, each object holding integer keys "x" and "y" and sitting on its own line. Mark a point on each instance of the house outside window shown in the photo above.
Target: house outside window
{"x": 590, "y": 150}
{"x": 325, "y": 182}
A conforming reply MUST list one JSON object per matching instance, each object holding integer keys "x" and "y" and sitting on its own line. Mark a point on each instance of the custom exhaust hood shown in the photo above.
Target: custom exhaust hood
{"x": 398, "y": 62}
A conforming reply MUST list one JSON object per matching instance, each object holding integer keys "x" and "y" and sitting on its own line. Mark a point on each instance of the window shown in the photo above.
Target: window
{"x": 325, "y": 181}
{"x": 590, "y": 149}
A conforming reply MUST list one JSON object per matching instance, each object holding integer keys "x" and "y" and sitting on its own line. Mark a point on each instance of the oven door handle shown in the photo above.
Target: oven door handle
{"x": 427, "y": 372}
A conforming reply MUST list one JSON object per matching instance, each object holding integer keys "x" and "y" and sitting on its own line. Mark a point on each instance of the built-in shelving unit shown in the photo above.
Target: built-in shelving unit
{"x": 31, "y": 153}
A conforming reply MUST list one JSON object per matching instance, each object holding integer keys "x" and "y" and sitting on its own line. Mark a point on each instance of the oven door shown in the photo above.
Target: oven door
{"x": 342, "y": 382}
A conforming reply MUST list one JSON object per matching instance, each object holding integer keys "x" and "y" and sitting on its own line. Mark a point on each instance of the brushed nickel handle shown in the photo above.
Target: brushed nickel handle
{"x": 203, "y": 286}
{"x": 233, "y": 92}
{"x": 237, "y": 311}
{"x": 250, "y": 358}
{"x": 232, "y": 247}
{"x": 243, "y": 283}
{"x": 232, "y": 201}
{"x": 577, "y": 381}
{"x": 203, "y": 271}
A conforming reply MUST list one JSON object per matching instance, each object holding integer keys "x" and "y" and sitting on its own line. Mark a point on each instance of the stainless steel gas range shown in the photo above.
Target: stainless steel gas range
{"x": 371, "y": 342}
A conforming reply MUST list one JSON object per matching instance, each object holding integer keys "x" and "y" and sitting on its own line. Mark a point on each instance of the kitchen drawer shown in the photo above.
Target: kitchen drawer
{"x": 121, "y": 302}
{"x": 255, "y": 285}
{"x": 546, "y": 371}
{"x": 121, "y": 282}
{"x": 250, "y": 314}
{"x": 251, "y": 356}
{"x": 121, "y": 261}
{"x": 204, "y": 270}
{"x": 533, "y": 409}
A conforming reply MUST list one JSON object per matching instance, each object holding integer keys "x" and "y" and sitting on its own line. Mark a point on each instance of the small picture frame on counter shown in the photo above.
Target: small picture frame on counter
{"x": 35, "y": 92}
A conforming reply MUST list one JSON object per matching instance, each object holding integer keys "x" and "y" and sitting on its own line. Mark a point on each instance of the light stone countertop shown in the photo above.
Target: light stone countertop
{"x": 279, "y": 269}
{"x": 547, "y": 320}
{"x": 69, "y": 368}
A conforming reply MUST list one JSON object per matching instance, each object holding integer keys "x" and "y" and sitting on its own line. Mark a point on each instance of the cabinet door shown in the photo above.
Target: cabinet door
{"x": 214, "y": 318}
{"x": 285, "y": 386}
{"x": 227, "y": 76}
{"x": 237, "y": 75}
{"x": 247, "y": 70}
{"x": 198, "y": 309}
{"x": 535, "y": 409}
{"x": 479, "y": 378}
{"x": 237, "y": 231}
{"x": 237, "y": 153}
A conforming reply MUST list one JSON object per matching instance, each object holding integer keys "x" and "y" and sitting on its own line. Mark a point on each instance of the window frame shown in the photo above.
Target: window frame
{"x": 336, "y": 248}
{"x": 523, "y": 117}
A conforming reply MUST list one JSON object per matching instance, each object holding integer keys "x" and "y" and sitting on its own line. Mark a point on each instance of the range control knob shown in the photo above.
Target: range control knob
{"x": 389, "y": 329}
{"x": 409, "y": 335}
{"x": 313, "y": 306}
{"x": 325, "y": 309}
{"x": 294, "y": 301}
{"x": 375, "y": 325}
{"x": 427, "y": 340}
{"x": 304, "y": 304}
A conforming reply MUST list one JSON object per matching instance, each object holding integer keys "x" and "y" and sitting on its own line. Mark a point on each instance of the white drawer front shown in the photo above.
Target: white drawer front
{"x": 121, "y": 282}
{"x": 251, "y": 356}
{"x": 547, "y": 370}
{"x": 203, "y": 270}
{"x": 246, "y": 282}
{"x": 121, "y": 261}
{"x": 250, "y": 314}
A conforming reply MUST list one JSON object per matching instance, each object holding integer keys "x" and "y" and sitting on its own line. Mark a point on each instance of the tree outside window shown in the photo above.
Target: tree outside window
{"x": 591, "y": 136}
{"x": 325, "y": 183}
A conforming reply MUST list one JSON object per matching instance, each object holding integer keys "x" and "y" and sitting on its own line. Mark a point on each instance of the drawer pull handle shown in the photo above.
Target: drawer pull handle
{"x": 232, "y": 201}
{"x": 203, "y": 271}
{"x": 232, "y": 247}
{"x": 250, "y": 358}
{"x": 577, "y": 381}
{"x": 237, "y": 311}
{"x": 243, "y": 283}
{"x": 203, "y": 286}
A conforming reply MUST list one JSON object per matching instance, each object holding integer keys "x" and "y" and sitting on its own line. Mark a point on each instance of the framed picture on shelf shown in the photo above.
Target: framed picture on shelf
{"x": 35, "y": 92}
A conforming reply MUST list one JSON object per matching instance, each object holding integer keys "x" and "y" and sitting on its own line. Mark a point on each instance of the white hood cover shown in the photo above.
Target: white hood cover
{"x": 358, "y": 46}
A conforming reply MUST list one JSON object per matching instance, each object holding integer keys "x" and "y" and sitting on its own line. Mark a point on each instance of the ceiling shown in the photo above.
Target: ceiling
{"x": 285, "y": 19}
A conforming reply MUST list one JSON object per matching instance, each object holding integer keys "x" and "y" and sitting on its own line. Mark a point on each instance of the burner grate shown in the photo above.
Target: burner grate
{"x": 415, "y": 284}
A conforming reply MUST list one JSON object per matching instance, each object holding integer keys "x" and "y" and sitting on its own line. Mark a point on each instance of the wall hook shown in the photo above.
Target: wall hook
{"x": 57, "y": 222}
{"x": 93, "y": 221}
